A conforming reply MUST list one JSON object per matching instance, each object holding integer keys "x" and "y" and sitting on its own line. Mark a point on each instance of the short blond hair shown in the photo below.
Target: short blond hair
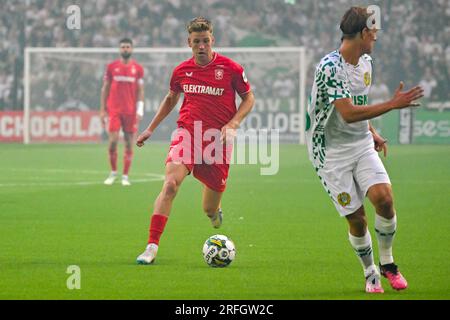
{"x": 199, "y": 24}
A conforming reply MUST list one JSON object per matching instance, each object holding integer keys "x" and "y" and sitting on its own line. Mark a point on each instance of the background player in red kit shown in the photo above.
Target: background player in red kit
{"x": 209, "y": 82}
{"x": 122, "y": 100}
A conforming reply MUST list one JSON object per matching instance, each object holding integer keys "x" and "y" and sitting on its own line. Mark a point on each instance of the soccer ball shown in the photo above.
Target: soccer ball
{"x": 219, "y": 251}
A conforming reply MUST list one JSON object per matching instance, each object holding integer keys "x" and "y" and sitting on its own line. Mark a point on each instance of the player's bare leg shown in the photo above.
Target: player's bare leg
{"x": 211, "y": 206}
{"x": 112, "y": 150}
{"x": 175, "y": 174}
{"x": 361, "y": 242}
{"x": 381, "y": 197}
{"x": 129, "y": 138}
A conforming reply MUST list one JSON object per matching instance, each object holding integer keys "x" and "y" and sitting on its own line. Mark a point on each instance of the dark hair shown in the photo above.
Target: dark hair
{"x": 353, "y": 22}
{"x": 199, "y": 24}
{"x": 126, "y": 40}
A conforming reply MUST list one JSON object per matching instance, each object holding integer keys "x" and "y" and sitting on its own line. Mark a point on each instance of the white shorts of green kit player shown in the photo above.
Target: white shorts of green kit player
{"x": 347, "y": 181}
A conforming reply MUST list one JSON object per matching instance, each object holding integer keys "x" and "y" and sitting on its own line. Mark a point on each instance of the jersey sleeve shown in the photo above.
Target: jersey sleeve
{"x": 175, "y": 82}
{"x": 108, "y": 74}
{"x": 335, "y": 82}
{"x": 239, "y": 80}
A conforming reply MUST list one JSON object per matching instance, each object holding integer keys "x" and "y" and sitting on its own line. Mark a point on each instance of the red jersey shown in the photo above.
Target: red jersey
{"x": 124, "y": 79}
{"x": 209, "y": 91}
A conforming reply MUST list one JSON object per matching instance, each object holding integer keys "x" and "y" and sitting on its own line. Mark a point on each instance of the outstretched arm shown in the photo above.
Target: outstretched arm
{"x": 166, "y": 106}
{"x": 351, "y": 113}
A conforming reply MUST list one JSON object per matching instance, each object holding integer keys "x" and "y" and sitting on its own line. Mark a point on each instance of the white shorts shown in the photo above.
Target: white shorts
{"x": 348, "y": 181}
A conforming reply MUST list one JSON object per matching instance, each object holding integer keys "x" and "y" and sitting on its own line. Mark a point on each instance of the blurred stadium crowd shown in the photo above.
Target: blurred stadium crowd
{"x": 413, "y": 45}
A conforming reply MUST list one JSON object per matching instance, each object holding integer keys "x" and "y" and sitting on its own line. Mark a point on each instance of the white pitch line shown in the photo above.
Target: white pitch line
{"x": 75, "y": 183}
{"x": 74, "y": 171}
{"x": 151, "y": 177}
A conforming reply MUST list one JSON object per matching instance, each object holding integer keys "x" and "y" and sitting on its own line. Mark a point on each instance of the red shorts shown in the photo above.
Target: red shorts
{"x": 127, "y": 122}
{"x": 208, "y": 167}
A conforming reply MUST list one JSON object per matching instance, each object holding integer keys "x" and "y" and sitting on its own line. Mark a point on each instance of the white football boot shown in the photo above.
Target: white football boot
{"x": 149, "y": 255}
{"x": 373, "y": 282}
{"x": 216, "y": 221}
{"x": 111, "y": 178}
{"x": 125, "y": 181}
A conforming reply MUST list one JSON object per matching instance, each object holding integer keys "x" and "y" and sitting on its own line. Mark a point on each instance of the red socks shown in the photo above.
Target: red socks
{"x": 157, "y": 226}
{"x": 127, "y": 157}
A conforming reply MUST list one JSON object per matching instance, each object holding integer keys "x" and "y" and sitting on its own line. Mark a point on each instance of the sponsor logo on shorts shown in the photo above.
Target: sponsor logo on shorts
{"x": 344, "y": 199}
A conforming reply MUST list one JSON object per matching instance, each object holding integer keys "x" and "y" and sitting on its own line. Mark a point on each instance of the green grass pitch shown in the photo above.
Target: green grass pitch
{"x": 291, "y": 243}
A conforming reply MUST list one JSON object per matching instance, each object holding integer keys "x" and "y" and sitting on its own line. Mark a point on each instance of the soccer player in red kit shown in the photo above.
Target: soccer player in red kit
{"x": 122, "y": 100}
{"x": 209, "y": 82}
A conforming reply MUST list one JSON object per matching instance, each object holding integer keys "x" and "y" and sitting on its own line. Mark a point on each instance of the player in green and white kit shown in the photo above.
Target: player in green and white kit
{"x": 343, "y": 146}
